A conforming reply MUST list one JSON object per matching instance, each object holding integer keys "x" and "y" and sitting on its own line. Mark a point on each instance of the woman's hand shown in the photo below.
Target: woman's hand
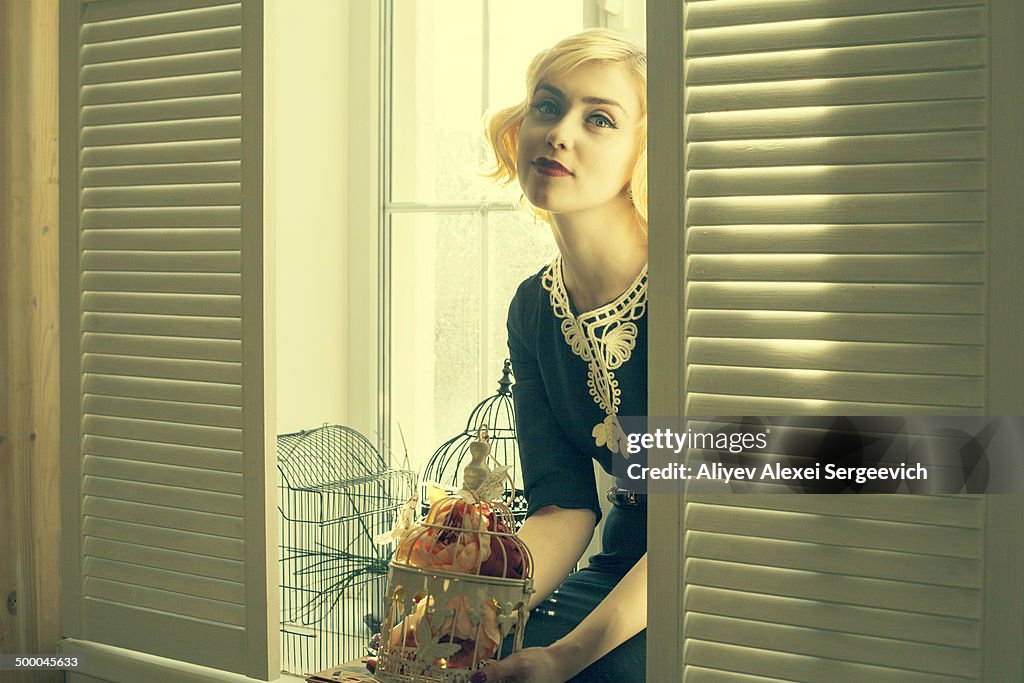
{"x": 532, "y": 665}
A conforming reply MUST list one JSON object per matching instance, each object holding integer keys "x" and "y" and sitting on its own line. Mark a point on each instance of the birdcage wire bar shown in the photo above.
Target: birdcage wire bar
{"x": 497, "y": 412}
{"x": 336, "y": 492}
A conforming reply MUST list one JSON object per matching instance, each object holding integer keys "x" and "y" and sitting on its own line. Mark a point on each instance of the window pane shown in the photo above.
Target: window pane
{"x": 452, "y": 281}
{"x": 435, "y": 328}
{"x": 518, "y": 31}
{"x": 437, "y": 149}
{"x": 440, "y": 90}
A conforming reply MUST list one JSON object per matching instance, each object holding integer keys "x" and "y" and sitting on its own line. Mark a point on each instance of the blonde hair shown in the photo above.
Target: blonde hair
{"x": 601, "y": 46}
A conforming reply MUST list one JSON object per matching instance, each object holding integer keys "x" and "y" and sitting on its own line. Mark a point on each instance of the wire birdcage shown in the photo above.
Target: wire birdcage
{"x": 458, "y": 584}
{"x": 335, "y": 494}
{"x": 498, "y": 412}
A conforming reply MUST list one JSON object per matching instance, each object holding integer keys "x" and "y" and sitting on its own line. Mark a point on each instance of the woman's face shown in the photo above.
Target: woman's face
{"x": 579, "y": 141}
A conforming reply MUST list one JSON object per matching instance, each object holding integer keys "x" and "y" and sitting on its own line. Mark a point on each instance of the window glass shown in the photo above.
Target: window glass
{"x": 456, "y": 258}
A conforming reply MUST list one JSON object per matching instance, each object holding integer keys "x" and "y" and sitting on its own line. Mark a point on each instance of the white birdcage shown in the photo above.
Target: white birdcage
{"x": 458, "y": 585}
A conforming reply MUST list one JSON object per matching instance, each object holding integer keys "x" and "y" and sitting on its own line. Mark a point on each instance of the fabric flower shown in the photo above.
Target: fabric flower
{"x": 608, "y": 433}
{"x": 456, "y": 547}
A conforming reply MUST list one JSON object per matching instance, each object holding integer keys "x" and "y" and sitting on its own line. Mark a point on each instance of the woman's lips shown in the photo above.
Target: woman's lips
{"x": 550, "y": 167}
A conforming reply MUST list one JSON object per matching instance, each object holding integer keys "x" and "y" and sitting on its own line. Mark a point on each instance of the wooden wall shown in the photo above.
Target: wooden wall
{"x": 29, "y": 399}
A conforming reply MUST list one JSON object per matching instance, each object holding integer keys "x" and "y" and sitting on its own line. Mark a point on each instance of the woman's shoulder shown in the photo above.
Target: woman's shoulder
{"x": 529, "y": 296}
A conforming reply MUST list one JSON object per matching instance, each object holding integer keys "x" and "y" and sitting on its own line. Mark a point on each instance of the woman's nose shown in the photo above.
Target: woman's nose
{"x": 560, "y": 137}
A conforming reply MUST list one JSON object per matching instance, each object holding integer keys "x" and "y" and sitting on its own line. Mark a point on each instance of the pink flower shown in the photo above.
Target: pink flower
{"x": 456, "y": 628}
{"x": 456, "y": 547}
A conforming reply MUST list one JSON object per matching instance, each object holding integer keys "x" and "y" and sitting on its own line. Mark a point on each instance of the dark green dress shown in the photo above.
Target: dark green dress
{"x": 573, "y": 375}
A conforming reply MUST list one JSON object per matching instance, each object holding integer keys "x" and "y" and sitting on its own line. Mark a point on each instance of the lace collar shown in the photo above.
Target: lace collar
{"x": 604, "y": 338}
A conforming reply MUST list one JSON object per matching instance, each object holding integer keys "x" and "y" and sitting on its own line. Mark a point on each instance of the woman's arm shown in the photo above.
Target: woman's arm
{"x": 619, "y": 617}
{"x": 556, "y": 538}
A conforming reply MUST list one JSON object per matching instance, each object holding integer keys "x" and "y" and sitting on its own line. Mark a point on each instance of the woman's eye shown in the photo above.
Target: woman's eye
{"x": 546, "y": 108}
{"x": 602, "y": 121}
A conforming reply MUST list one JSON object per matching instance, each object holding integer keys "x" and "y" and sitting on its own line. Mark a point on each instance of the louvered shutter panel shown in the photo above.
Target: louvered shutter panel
{"x": 166, "y": 505}
{"x": 835, "y": 207}
{"x": 835, "y": 204}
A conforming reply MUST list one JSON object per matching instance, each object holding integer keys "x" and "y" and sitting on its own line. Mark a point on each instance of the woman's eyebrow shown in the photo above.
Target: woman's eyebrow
{"x": 588, "y": 100}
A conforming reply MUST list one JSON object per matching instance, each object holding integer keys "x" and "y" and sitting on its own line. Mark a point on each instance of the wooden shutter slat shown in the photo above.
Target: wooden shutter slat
{"x": 698, "y": 403}
{"x": 160, "y": 46}
{"x": 165, "y": 601}
{"x": 221, "y": 172}
{"x": 940, "y": 541}
{"x": 172, "y": 369}
{"x": 899, "y": 595}
{"x": 871, "y": 60}
{"x": 887, "y": 268}
{"x": 860, "y": 149}
{"x": 939, "y": 390}
{"x": 211, "y": 459}
{"x": 164, "y": 432}
{"x": 105, "y": 11}
{"x": 920, "y": 328}
{"x": 165, "y": 498}
{"x": 176, "y": 87}
{"x": 163, "y": 110}
{"x": 956, "y": 510}
{"x": 153, "y": 577}
{"x": 837, "y": 179}
{"x": 175, "y": 282}
{"x": 794, "y": 667}
{"x": 167, "y": 474}
{"x": 879, "y": 564}
{"x": 164, "y": 131}
{"x": 954, "y": 207}
{"x": 223, "y": 194}
{"x": 946, "y": 359}
{"x": 200, "y": 327}
{"x": 162, "y": 347}
{"x": 739, "y": 12}
{"x": 959, "y": 84}
{"x": 166, "y": 538}
{"x": 838, "y": 297}
{"x": 832, "y": 616}
{"x": 157, "y": 263}
{"x": 160, "y": 67}
{"x": 162, "y": 153}
{"x": 896, "y": 654}
{"x": 219, "y": 526}
{"x": 859, "y": 119}
{"x": 162, "y": 304}
{"x": 836, "y": 32}
{"x": 229, "y": 570}
{"x": 917, "y": 238}
{"x": 210, "y": 523}
{"x": 167, "y": 411}
{"x": 165, "y": 217}
{"x": 182, "y": 20}
{"x": 204, "y": 392}
{"x": 155, "y": 239}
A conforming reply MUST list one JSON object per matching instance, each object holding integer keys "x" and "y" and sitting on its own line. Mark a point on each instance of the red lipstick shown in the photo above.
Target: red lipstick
{"x": 550, "y": 167}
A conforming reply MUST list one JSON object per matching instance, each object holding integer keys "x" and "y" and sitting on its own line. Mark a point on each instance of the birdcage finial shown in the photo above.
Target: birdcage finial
{"x": 506, "y": 379}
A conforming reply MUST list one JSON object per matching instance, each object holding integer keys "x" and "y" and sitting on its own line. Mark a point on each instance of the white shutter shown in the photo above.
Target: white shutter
{"x": 166, "y": 489}
{"x": 835, "y": 207}
{"x": 835, "y": 157}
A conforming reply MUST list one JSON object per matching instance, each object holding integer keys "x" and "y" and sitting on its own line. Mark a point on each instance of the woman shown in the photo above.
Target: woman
{"x": 577, "y": 336}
